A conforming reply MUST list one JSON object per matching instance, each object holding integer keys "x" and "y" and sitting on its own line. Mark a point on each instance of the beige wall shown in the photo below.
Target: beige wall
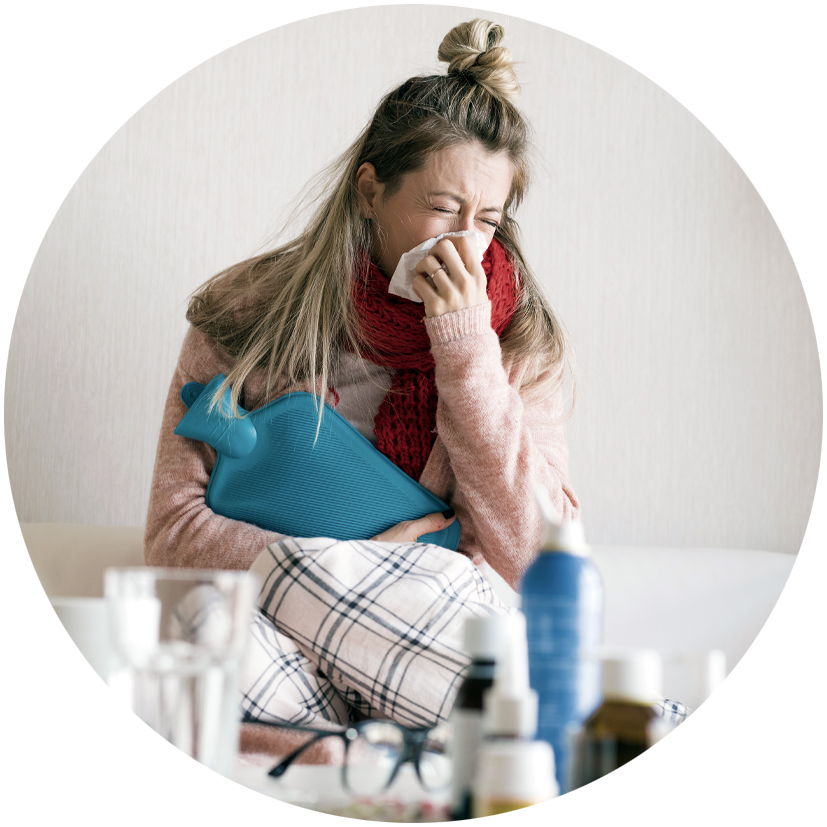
{"x": 699, "y": 410}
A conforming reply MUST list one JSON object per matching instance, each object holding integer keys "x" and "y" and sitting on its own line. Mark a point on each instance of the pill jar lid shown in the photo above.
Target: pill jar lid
{"x": 520, "y": 770}
{"x": 633, "y": 675}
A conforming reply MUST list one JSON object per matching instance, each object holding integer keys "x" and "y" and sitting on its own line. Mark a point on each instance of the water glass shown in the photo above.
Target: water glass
{"x": 180, "y": 636}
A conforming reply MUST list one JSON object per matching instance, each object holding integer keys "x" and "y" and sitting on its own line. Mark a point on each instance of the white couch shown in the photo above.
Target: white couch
{"x": 678, "y": 601}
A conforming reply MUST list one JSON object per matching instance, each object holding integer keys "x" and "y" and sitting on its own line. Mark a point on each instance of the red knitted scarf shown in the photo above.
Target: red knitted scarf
{"x": 395, "y": 328}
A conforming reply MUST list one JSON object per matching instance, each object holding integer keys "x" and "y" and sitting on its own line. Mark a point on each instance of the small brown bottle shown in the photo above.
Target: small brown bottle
{"x": 626, "y": 724}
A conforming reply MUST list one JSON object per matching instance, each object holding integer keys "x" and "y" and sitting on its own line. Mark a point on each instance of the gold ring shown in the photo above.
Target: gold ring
{"x": 438, "y": 269}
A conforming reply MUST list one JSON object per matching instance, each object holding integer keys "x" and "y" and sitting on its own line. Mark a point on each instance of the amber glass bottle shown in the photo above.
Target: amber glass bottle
{"x": 626, "y": 723}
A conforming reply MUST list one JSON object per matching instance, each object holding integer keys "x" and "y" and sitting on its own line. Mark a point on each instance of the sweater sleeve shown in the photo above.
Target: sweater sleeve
{"x": 180, "y": 529}
{"x": 500, "y": 444}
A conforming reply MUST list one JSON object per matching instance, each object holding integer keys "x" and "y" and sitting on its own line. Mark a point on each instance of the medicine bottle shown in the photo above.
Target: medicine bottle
{"x": 513, "y": 769}
{"x": 481, "y": 642}
{"x": 562, "y": 598}
{"x": 627, "y": 723}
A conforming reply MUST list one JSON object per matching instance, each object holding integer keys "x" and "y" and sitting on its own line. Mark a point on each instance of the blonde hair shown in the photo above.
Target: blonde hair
{"x": 289, "y": 311}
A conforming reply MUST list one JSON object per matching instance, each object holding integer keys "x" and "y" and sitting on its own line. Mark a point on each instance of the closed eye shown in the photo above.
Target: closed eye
{"x": 446, "y": 211}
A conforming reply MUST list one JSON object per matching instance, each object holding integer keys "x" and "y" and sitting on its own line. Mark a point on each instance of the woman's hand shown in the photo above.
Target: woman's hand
{"x": 450, "y": 277}
{"x": 408, "y": 530}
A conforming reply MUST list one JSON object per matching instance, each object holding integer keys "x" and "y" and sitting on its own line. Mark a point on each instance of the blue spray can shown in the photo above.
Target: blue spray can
{"x": 562, "y": 599}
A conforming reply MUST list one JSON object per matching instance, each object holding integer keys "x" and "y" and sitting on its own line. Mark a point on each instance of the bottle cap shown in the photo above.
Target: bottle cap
{"x": 516, "y": 770}
{"x": 713, "y": 671}
{"x": 707, "y": 671}
{"x": 510, "y": 705}
{"x": 565, "y": 535}
{"x": 482, "y": 636}
{"x": 633, "y": 676}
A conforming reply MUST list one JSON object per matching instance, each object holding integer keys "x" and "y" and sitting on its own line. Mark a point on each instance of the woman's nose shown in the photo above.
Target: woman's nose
{"x": 466, "y": 222}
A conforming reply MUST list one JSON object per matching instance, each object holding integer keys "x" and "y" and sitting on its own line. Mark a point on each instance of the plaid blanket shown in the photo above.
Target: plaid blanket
{"x": 355, "y": 629}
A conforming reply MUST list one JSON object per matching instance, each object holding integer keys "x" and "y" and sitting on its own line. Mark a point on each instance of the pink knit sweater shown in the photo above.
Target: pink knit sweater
{"x": 493, "y": 445}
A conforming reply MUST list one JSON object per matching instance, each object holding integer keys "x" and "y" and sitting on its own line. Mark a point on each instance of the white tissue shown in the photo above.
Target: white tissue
{"x": 402, "y": 280}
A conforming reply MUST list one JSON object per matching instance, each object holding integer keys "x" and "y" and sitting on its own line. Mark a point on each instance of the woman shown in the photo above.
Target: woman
{"x": 462, "y": 391}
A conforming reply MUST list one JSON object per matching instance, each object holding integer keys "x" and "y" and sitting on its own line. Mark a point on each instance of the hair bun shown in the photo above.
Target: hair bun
{"x": 473, "y": 49}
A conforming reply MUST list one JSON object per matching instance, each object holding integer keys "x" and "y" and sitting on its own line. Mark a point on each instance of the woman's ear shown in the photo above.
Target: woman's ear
{"x": 369, "y": 189}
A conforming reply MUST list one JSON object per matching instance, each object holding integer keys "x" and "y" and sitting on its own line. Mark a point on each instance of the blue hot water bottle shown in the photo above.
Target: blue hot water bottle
{"x": 271, "y": 471}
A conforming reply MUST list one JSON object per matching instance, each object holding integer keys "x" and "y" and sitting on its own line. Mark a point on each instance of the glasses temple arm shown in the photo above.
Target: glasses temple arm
{"x": 285, "y": 763}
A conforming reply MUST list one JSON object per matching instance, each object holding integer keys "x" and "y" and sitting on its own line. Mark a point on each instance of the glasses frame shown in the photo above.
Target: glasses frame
{"x": 414, "y": 741}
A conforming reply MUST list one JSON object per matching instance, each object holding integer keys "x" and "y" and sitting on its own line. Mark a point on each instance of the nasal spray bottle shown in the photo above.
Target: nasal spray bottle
{"x": 513, "y": 769}
{"x": 562, "y": 598}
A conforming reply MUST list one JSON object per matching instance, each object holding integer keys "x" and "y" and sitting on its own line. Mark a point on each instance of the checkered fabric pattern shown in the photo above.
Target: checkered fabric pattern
{"x": 281, "y": 685}
{"x": 354, "y": 629}
{"x": 673, "y": 712}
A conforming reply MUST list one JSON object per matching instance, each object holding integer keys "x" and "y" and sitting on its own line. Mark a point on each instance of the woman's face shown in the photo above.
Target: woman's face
{"x": 462, "y": 187}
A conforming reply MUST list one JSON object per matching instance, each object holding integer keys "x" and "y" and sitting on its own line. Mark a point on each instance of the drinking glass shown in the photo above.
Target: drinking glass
{"x": 180, "y": 636}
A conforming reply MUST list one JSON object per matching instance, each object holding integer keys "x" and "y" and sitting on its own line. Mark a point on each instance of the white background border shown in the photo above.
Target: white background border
{"x": 752, "y": 73}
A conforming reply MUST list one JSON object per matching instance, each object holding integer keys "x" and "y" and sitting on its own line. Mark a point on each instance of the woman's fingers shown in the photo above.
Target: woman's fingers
{"x": 450, "y": 277}
{"x": 432, "y": 522}
{"x": 424, "y": 288}
{"x": 447, "y": 254}
{"x": 444, "y": 284}
{"x": 469, "y": 253}
{"x": 409, "y": 530}
{"x": 430, "y": 265}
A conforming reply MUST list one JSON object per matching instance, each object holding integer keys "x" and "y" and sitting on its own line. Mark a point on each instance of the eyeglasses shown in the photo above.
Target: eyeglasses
{"x": 374, "y": 752}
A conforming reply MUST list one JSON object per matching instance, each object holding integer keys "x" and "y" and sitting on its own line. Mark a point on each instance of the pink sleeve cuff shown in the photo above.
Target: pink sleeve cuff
{"x": 458, "y": 324}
